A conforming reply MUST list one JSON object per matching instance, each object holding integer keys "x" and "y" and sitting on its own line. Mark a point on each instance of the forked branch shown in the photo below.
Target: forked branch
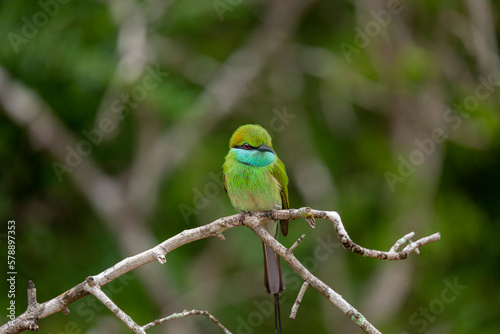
{"x": 92, "y": 285}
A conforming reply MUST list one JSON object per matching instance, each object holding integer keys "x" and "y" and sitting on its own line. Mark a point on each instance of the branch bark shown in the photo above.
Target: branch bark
{"x": 92, "y": 285}
{"x": 187, "y": 314}
{"x": 298, "y": 300}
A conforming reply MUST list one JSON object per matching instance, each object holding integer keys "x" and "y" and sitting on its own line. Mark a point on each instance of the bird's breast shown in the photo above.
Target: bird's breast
{"x": 252, "y": 188}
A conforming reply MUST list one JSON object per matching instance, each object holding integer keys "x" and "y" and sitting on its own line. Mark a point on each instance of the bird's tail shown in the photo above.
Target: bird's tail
{"x": 277, "y": 314}
{"x": 273, "y": 278}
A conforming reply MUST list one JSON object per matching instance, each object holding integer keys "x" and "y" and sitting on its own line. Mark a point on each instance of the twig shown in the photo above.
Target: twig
{"x": 296, "y": 243}
{"x": 255, "y": 225}
{"x": 296, "y": 305}
{"x": 423, "y": 241}
{"x": 401, "y": 241}
{"x": 95, "y": 290}
{"x": 35, "y": 311}
{"x": 104, "y": 192}
{"x": 187, "y": 314}
{"x": 33, "y": 326}
{"x": 343, "y": 236}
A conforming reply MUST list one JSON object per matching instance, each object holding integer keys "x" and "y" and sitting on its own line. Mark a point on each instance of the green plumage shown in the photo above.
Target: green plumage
{"x": 252, "y": 188}
{"x": 255, "y": 180}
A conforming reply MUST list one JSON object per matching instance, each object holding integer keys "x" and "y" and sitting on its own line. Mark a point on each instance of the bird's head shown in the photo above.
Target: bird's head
{"x": 251, "y": 145}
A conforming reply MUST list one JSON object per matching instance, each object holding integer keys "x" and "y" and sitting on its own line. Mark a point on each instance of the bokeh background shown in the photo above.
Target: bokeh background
{"x": 115, "y": 118}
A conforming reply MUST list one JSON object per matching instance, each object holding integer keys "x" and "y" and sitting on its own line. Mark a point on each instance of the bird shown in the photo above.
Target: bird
{"x": 255, "y": 180}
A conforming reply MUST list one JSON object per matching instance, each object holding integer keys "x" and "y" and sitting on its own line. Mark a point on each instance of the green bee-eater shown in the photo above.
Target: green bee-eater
{"x": 255, "y": 180}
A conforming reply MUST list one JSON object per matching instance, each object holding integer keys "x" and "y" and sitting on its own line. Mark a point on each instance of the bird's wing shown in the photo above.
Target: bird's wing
{"x": 279, "y": 173}
{"x": 224, "y": 181}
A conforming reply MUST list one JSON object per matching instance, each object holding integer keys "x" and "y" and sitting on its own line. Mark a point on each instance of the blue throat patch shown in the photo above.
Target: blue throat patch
{"x": 253, "y": 157}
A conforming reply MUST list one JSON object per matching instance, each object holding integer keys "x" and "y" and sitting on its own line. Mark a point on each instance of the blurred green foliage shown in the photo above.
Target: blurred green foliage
{"x": 340, "y": 122}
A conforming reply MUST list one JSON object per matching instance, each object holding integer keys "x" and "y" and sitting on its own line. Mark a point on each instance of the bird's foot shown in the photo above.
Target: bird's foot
{"x": 272, "y": 215}
{"x": 242, "y": 217}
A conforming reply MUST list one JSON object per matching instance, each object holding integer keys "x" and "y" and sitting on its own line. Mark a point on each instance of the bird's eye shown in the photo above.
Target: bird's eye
{"x": 246, "y": 146}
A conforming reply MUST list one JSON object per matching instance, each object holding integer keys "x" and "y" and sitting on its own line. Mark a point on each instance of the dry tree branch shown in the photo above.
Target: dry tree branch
{"x": 255, "y": 225}
{"x": 296, "y": 243}
{"x": 94, "y": 289}
{"x": 298, "y": 301}
{"x": 104, "y": 192}
{"x": 92, "y": 285}
{"x": 402, "y": 241}
{"x": 187, "y": 314}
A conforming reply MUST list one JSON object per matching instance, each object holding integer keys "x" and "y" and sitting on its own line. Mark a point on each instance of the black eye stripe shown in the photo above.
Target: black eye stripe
{"x": 243, "y": 147}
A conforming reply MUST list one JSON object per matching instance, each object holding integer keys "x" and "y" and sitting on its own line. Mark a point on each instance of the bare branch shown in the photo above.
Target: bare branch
{"x": 344, "y": 238}
{"x": 402, "y": 241}
{"x": 310, "y": 279}
{"x": 413, "y": 246}
{"x": 296, "y": 243}
{"x": 92, "y": 285}
{"x": 187, "y": 314}
{"x": 296, "y": 305}
{"x": 61, "y": 302}
{"x": 104, "y": 192}
{"x": 255, "y": 225}
{"x": 28, "y": 320}
{"x": 95, "y": 290}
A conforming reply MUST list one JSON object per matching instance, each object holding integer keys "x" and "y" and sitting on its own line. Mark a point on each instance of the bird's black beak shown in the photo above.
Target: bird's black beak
{"x": 265, "y": 148}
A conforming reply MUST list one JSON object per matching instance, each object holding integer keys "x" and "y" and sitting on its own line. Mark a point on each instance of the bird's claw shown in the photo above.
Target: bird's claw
{"x": 242, "y": 217}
